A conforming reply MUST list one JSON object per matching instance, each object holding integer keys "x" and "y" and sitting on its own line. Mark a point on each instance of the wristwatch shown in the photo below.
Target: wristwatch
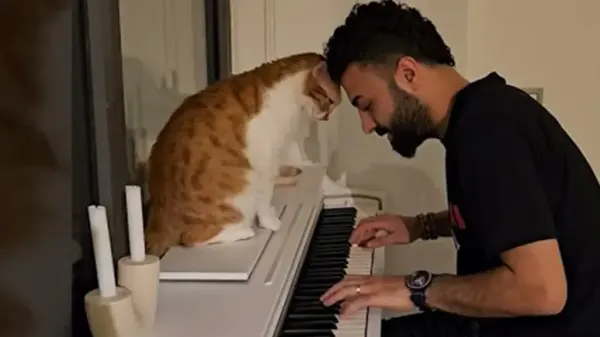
{"x": 417, "y": 283}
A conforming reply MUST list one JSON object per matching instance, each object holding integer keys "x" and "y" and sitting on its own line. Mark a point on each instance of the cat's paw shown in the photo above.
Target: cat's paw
{"x": 238, "y": 233}
{"x": 269, "y": 220}
{"x": 270, "y": 223}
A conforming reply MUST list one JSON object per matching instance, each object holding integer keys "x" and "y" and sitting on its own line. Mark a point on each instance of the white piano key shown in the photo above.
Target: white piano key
{"x": 352, "y": 326}
{"x": 360, "y": 262}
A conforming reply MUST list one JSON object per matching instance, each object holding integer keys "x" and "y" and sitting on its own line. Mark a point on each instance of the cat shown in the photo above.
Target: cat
{"x": 212, "y": 169}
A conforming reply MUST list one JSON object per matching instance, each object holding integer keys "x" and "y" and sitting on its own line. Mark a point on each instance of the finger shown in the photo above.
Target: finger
{"x": 349, "y": 280}
{"x": 364, "y": 230}
{"x": 364, "y": 237}
{"x": 379, "y": 241}
{"x": 349, "y": 291}
{"x": 358, "y": 234}
{"x": 353, "y": 305}
{"x": 379, "y": 299}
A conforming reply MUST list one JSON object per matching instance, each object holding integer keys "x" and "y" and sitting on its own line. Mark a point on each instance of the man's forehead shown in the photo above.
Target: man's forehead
{"x": 356, "y": 80}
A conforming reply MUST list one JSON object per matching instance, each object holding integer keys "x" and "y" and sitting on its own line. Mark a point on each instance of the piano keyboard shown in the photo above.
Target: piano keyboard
{"x": 329, "y": 258}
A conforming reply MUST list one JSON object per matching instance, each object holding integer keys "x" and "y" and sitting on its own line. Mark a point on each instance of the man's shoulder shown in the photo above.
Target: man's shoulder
{"x": 496, "y": 114}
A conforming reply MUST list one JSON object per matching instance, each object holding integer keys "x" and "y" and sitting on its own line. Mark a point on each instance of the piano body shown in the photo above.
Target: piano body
{"x": 269, "y": 285}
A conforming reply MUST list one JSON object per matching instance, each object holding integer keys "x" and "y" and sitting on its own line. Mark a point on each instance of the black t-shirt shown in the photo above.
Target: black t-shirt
{"x": 514, "y": 177}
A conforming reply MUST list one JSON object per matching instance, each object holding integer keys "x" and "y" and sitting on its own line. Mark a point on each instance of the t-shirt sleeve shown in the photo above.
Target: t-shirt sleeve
{"x": 504, "y": 198}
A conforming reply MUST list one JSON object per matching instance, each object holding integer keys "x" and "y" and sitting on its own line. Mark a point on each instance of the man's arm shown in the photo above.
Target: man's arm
{"x": 509, "y": 290}
{"x": 429, "y": 226}
{"x": 507, "y": 216}
{"x": 434, "y": 225}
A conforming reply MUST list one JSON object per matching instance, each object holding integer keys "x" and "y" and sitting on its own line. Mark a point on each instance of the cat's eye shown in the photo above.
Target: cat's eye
{"x": 329, "y": 100}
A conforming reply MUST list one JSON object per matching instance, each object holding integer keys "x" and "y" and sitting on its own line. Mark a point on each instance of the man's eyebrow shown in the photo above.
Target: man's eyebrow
{"x": 354, "y": 100}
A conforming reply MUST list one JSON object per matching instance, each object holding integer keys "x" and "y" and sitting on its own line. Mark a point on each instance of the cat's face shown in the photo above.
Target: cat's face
{"x": 323, "y": 93}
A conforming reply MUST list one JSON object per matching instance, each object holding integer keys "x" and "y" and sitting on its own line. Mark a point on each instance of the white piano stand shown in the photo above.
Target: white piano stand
{"x": 242, "y": 289}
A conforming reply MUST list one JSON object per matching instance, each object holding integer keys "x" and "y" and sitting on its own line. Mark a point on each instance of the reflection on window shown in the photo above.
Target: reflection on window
{"x": 171, "y": 49}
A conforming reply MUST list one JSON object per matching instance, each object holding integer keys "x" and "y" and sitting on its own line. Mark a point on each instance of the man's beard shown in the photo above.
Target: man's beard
{"x": 410, "y": 124}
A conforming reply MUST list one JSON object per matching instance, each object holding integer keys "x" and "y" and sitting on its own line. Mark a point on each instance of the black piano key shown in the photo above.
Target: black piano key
{"x": 299, "y": 308}
{"x": 312, "y": 316}
{"x": 319, "y": 263}
{"x": 336, "y": 225}
{"x": 320, "y": 289}
{"x": 327, "y": 219}
{"x": 320, "y": 323}
{"x": 319, "y": 255}
{"x": 334, "y": 247}
{"x": 314, "y": 292}
{"x": 350, "y": 211}
{"x": 308, "y": 332}
{"x": 340, "y": 232}
{"x": 323, "y": 266}
{"x": 324, "y": 254}
{"x": 320, "y": 276}
{"x": 315, "y": 285}
{"x": 330, "y": 240}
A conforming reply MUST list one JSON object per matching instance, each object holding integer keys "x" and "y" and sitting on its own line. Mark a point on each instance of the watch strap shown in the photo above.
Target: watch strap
{"x": 420, "y": 300}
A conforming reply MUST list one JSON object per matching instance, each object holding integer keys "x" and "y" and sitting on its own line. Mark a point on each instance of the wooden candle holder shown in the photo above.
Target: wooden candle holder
{"x": 141, "y": 279}
{"x": 112, "y": 316}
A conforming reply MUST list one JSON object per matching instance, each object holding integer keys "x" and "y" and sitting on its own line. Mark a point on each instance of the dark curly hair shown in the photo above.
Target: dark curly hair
{"x": 381, "y": 32}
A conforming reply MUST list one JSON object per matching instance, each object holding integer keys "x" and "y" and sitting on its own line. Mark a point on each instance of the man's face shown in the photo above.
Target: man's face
{"x": 386, "y": 108}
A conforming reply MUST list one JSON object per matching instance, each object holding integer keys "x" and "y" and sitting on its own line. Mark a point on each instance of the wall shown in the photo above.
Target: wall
{"x": 544, "y": 43}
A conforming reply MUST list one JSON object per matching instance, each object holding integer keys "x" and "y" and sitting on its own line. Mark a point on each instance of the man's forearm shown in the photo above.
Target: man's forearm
{"x": 495, "y": 293}
{"x": 434, "y": 225}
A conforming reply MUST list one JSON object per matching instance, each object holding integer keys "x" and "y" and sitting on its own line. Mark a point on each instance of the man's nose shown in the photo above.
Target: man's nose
{"x": 368, "y": 124}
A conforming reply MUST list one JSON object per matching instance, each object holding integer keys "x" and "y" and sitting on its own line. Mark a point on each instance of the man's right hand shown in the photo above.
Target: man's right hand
{"x": 385, "y": 229}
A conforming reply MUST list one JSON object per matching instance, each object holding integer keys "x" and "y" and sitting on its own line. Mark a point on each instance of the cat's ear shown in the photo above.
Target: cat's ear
{"x": 320, "y": 71}
{"x": 322, "y": 75}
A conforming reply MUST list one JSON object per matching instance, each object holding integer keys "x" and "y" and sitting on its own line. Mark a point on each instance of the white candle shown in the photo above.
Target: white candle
{"x": 102, "y": 251}
{"x": 135, "y": 222}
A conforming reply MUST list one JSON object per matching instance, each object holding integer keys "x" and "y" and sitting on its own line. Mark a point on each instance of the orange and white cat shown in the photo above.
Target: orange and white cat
{"x": 212, "y": 170}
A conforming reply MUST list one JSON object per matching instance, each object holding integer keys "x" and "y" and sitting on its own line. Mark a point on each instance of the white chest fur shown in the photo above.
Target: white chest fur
{"x": 268, "y": 136}
{"x": 283, "y": 118}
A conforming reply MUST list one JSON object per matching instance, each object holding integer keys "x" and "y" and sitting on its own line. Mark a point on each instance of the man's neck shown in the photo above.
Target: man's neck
{"x": 442, "y": 125}
{"x": 450, "y": 82}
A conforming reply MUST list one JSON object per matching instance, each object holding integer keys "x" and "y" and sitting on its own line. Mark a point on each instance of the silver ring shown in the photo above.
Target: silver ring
{"x": 358, "y": 290}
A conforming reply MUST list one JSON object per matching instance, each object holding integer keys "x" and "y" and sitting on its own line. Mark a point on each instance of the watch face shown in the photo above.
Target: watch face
{"x": 418, "y": 280}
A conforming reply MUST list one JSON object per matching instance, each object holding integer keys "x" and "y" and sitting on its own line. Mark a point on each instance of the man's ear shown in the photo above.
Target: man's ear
{"x": 321, "y": 74}
{"x": 406, "y": 74}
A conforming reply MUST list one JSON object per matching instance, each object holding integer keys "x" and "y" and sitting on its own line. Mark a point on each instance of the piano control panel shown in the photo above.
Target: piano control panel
{"x": 274, "y": 292}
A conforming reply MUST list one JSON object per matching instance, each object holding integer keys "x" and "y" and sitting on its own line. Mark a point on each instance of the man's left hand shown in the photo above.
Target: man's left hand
{"x": 361, "y": 291}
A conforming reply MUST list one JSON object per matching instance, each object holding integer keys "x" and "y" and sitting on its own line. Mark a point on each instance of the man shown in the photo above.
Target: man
{"x": 524, "y": 205}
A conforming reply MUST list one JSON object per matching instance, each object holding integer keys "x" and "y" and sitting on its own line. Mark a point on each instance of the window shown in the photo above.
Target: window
{"x": 134, "y": 62}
